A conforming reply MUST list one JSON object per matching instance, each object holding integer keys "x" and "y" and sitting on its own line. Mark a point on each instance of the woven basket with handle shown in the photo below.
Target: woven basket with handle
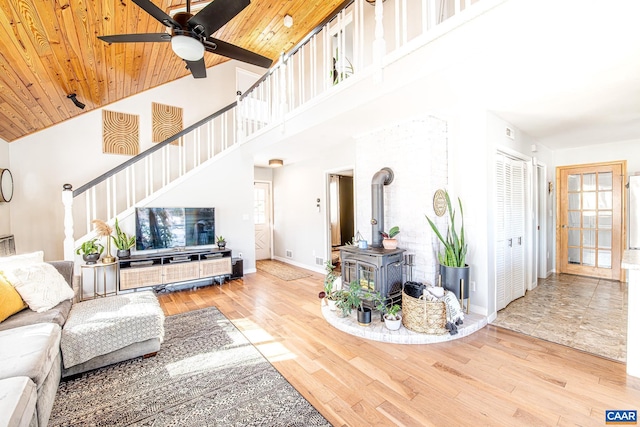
{"x": 420, "y": 315}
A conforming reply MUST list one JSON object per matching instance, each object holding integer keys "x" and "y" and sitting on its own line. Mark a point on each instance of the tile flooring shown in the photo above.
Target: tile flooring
{"x": 585, "y": 313}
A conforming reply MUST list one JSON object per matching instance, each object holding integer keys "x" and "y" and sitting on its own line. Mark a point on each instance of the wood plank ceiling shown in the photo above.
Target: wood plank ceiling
{"x": 49, "y": 49}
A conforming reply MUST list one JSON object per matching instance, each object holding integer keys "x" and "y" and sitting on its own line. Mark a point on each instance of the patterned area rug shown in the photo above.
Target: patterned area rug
{"x": 280, "y": 270}
{"x": 205, "y": 374}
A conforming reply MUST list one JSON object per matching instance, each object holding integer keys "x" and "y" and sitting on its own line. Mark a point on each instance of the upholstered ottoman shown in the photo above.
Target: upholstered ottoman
{"x": 108, "y": 330}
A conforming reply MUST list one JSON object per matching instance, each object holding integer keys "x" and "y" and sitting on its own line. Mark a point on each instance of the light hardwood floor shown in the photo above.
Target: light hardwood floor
{"x": 493, "y": 377}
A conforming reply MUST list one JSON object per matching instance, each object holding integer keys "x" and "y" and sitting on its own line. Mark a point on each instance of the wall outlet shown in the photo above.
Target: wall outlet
{"x": 240, "y": 254}
{"x": 288, "y": 253}
{"x": 473, "y": 286}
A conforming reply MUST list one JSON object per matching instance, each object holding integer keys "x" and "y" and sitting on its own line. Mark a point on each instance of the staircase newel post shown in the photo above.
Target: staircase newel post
{"x": 67, "y": 201}
{"x": 379, "y": 44}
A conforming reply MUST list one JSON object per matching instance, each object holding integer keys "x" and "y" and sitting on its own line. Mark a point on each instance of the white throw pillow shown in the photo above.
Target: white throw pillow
{"x": 41, "y": 286}
{"x": 9, "y": 263}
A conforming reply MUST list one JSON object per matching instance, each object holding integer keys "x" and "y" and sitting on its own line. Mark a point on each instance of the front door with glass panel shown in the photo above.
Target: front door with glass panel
{"x": 590, "y": 218}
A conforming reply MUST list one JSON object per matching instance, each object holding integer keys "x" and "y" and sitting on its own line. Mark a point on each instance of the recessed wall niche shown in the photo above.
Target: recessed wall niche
{"x": 167, "y": 121}
{"x": 120, "y": 133}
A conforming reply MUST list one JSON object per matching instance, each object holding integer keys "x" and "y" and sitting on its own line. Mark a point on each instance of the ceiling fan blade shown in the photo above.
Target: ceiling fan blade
{"x": 157, "y": 13}
{"x": 234, "y": 52}
{"x": 197, "y": 68}
{"x": 215, "y": 15}
{"x": 131, "y": 38}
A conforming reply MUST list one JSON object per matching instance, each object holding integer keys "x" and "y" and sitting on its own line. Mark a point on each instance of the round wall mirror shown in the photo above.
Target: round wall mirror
{"x": 6, "y": 185}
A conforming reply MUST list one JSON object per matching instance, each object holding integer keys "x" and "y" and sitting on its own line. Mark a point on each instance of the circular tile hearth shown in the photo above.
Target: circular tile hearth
{"x": 377, "y": 331}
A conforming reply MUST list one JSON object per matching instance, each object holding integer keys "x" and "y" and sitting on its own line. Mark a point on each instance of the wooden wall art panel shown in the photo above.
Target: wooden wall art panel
{"x": 167, "y": 121}
{"x": 120, "y": 133}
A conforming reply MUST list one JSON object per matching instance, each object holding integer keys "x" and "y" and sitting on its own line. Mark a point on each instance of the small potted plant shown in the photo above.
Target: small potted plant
{"x": 343, "y": 302}
{"x": 388, "y": 238}
{"x": 123, "y": 242}
{"x": 392, "y": 317}
{"x": 356, "y": 296}
{"x": 329, "y": 293}
{"x": 90, "y": 250}
{"x": 221, "y": 242}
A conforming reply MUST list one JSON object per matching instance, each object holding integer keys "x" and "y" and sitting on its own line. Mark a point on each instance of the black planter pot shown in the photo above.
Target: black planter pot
{"x": 364, "y": 316}
{"x": 91, "y": 258}
{"x": 123, "y": 253}
{"x": 452, "y": 279}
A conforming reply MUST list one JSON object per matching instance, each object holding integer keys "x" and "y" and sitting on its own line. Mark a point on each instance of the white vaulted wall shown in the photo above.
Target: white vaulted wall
{"x": 71, "y": 152}
{"x": 299, "y": 225}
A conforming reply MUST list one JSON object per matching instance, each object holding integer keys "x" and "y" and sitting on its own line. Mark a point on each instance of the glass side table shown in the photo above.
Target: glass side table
{"x": 99, "y": 278}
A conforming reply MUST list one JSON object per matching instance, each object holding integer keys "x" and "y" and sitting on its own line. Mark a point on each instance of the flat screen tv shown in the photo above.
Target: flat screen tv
{"x": 166, "y": 228}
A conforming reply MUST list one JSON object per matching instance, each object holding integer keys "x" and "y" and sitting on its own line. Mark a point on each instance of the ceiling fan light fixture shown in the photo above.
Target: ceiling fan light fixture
{"x": 187, "y": 48}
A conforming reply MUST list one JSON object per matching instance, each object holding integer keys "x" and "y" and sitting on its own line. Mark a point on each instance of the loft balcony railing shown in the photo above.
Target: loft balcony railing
{"x": 355, "y": 40}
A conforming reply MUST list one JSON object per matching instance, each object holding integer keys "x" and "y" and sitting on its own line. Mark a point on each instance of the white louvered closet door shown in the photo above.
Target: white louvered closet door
{"x": 518, "y": 221}
{"x": 511, "y": 182}
{"x": 500, "y": 233}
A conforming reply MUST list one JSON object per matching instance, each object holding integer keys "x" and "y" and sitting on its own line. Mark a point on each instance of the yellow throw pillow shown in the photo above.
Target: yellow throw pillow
{"x": 10, "y": 300}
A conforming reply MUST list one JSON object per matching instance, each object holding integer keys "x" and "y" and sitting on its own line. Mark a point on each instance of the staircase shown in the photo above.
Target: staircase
{"x": 347, "y": 47}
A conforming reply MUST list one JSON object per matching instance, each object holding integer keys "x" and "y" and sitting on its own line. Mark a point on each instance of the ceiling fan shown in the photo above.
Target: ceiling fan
{"x": 190, "y": 34}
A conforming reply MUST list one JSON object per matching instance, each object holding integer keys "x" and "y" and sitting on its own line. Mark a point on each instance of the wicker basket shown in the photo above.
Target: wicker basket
{"x": 419, "y": 315}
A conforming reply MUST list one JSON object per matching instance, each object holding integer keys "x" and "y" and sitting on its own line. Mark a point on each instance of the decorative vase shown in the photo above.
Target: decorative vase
{"x": 91, "y": 258}
{"x": 221, "y": 245}
{"x": 453, "y": 278}
{"x": 393, "y": 324}
{"x": 126, "y": 253}
{"x": 364, "y": 316}
{"x": 390, "y": 243}
{"x": 331, "y": 304}
{"x": 108, "y": 258}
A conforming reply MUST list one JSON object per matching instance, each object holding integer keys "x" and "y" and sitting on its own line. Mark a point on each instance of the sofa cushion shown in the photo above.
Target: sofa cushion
{"x": 10, "y": 300}
{"x": 8, "y": 263}
{"x": 17, "y": 401}
{"x": 41, "y": 286}
{"x": 29, "y": 351}
{"x": 57, "y": 315}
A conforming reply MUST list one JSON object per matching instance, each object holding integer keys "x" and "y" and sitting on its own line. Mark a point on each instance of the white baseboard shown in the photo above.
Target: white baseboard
{"x": 316, "y": 269}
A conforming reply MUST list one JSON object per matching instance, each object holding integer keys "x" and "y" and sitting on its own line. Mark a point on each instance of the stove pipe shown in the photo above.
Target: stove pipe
{"x": 383, "y": 177}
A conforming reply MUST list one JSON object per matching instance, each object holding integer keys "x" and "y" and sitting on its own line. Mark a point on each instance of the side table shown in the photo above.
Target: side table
{"x": 102, "y": 276}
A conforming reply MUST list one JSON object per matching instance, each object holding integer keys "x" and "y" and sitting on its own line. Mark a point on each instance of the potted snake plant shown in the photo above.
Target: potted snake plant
{"x": 454, "y": 271}
{"x": 122, "y": 241}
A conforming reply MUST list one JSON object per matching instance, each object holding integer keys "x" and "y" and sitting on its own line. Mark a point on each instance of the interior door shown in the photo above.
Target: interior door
{"x": 262, "y": 219}
{"x": 590, "y": 219}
